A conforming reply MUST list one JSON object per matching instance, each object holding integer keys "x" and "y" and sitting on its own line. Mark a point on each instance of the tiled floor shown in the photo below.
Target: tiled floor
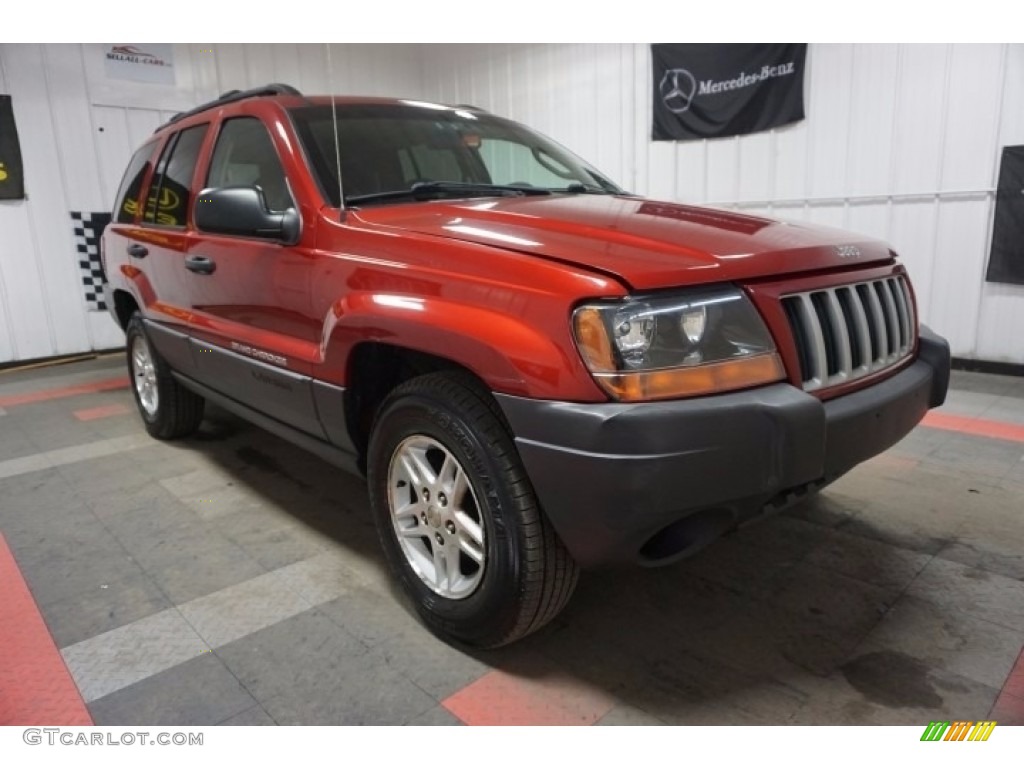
{"x": 232, "y": 578}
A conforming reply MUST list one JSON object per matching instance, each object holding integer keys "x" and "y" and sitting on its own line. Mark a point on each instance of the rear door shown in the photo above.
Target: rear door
{"x": 161, "y": 242}
{"x": 252, "y": 324}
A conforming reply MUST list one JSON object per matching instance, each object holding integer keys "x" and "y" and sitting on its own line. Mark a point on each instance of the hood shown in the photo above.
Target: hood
{"x": 643, "y": 243}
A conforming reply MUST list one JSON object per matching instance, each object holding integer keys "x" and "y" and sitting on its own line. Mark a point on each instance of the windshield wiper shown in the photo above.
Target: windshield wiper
{"x": 578, "y": 188}
{"x": 432, "y": 190}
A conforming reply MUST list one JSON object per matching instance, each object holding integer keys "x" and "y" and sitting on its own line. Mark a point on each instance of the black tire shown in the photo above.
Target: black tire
{"x": 178, "y": 411}
{"x": 528, "y": 575}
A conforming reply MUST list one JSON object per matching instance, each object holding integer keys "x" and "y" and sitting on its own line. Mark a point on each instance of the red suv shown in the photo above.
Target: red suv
{"x": 535, "y": 369}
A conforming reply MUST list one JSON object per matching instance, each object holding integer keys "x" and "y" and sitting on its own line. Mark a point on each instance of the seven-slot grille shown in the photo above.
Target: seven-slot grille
{"x": 851, "y": 331}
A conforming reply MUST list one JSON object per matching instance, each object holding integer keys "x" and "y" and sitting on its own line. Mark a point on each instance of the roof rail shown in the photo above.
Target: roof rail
{"x": 470, "y": 106}
{"x": 274, "y": 89}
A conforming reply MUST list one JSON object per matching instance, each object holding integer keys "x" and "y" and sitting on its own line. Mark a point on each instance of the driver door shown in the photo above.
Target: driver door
{"x": 253, "y": 334}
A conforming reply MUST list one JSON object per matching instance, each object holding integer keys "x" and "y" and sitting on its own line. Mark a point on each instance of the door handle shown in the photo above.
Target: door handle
{"x": 137, "y": 251}
{"x": 201, "y": 265}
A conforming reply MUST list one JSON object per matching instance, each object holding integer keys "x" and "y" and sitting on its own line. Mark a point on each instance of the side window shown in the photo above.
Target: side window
{"x": 126, "y": 204}
{"x": 245, "y": 157}
{"x": 169, "y": 194}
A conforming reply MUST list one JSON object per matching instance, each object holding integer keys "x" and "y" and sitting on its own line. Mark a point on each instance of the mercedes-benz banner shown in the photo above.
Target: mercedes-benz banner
{"x": 707, "y": 91}
{"x": 12, "y": 182}
{"x": 1006, "y": 263}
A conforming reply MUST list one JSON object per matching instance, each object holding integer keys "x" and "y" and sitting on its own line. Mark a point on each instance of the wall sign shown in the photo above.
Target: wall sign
{"x": 12, "y": 177}
{"x": 1006, "y": 262}
{"x": 150, "y": 63}
{"x": 706, "y": 91}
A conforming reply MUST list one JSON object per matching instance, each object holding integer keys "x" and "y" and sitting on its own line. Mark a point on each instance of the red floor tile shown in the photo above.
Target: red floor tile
{"x": 499, "y": 698}
{"x": 35, "y": 685}
{"x": 1000, "y": 430}
{"x": 42, "y": 395}
{"x": 1008, "y": 710}
{"x": 101, "y": 412}
{"x": 1014, "y": 684}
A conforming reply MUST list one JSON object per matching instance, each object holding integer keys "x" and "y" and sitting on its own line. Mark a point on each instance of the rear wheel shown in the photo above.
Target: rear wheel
{"x": 457, "y": 517}
{"x": 168, "y": 409}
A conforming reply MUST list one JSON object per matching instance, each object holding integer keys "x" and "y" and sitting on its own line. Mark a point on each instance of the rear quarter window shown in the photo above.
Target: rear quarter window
{"x": 126, "y": 204}
{"x": 170, "y": 192}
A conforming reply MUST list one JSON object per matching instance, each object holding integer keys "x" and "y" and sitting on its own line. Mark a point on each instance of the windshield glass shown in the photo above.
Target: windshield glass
{"x": 390, "y": 147}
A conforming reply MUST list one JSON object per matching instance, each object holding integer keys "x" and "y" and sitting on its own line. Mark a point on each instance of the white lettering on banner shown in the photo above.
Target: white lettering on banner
{"x": 745, "y": 80}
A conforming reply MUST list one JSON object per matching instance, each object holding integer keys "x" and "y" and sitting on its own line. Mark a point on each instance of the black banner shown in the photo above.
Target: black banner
{"x": 707, "y": 91}
{"x": 12, "y": 180}
{"x": 1006, "y": 263}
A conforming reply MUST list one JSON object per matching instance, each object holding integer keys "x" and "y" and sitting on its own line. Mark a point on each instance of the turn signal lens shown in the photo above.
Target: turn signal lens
{"x": 699, "y": 380}
{"x": 592, "y": 339}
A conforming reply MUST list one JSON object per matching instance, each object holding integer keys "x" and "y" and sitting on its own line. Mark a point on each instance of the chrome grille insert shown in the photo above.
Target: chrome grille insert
{"x": 851, "y": 331}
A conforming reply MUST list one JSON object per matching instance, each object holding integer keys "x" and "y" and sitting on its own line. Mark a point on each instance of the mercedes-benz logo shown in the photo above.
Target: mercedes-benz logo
{"x": 677, "y": 87}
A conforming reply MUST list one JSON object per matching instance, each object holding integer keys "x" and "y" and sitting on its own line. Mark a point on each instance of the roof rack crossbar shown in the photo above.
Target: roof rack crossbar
{"x": 274, "y": 89}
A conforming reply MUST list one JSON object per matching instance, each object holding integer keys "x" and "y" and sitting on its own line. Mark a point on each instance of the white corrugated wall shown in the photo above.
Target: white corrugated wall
{"x": 901, "y": 142}
{"x": 77, "y": 130}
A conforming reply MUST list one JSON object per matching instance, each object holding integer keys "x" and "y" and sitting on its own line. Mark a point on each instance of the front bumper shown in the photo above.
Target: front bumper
{"x": 653, "y": 482}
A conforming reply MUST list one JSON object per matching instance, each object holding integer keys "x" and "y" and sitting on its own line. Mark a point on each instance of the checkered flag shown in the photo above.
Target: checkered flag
{"x": 88, "y": 228}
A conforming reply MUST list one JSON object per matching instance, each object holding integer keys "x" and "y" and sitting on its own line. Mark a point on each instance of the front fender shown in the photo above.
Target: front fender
{"x": 512, "y": 355}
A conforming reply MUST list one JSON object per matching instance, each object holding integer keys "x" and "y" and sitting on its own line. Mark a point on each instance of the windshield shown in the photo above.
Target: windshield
{"x": 391, "y": 147}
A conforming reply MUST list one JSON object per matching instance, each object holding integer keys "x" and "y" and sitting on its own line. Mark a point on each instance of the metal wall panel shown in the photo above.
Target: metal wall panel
{"x": 77, "y": 132}
{"x": 901, "y": 142}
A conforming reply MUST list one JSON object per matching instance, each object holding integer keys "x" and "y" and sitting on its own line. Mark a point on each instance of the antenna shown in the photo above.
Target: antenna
{"x": 337, "y": 142}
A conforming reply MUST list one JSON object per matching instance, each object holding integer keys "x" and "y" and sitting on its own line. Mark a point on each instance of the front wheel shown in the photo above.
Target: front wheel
{"x": 457, "y": 517}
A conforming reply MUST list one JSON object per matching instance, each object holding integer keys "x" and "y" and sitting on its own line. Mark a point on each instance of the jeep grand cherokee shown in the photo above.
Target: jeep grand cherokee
{"x": 535, "y": 369}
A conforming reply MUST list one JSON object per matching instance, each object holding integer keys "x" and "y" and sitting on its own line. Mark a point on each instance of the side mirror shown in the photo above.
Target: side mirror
{"x": 243, "y": 211}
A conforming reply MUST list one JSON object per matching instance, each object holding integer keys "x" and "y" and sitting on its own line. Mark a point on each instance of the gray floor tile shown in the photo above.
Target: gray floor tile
{"x": 62, "y": 575}
{"x": 979, "y": 455}
{"x": 681, "y": 688}
{"x": 1006, "y": 409}
{"x": 307, "y": 670}
{"x": 752, "y": 558}
{"x": 973, "y": 591}
{"x": 76, "y": 452}
{"x": 436, "y": 716}
{"x": 993, "y": 538}
{"x": 971, "y": 404}
{"x": 201, "y": 569}
{"x": 850, "y": 605}
{"x": 298, "y": 651}
{"x": 827, "y": 508}
{"x": 767, "y": 626}
{"x": 242, "y": 609}
{"x": 386, "y": 626}
{"x": 200, "y": 691}
{"x": 102, "y": 608}
{"x": 282, "y": 545}
{"x": 323, "y": 578}
{"x": 623, "y": 714}
{"x": 15, "y": 442}
{"x": 868, "y": 560}
{"x": 253, "y": 716}
{"x": 985, "y": 383}
{"x": 890, "y": 688}
{"x": 949, "y": 639}
{"x": 124, "y": 656}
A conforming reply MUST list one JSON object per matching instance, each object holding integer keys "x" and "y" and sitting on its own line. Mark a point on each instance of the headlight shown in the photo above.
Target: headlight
{"x": 694, "y": 343}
